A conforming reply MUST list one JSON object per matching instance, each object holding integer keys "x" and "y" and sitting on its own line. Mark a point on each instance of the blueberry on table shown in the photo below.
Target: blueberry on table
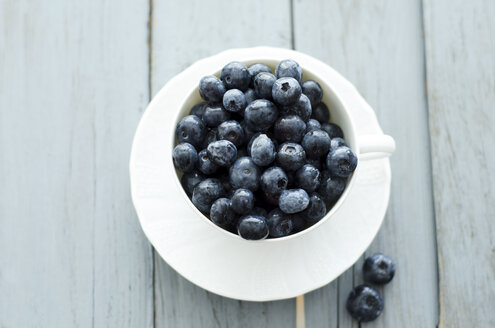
{"x": 333, "y": 130}
{"x": 198, "y": 109}
{"x": 222, "y": 152}
{"x": 185, "y": 157}
{"x": 312, "y": 124}
{"x": 242, "y": 201}
{"x": 191, "y": 180}
{"x": 274, "y": 180}
{"x": 279, "y": 223}
{"x": 263, "y": 84}
{"x": 316, "y": 143}
{"x": 221, "y": 213}
{"x": 231, "y": 131}
{"x": 191, "y": 129}
{"x": 301, "y": 108}
{"x": 331, "y": 187}
{"x": 250, "y": 97}
{"x": 244, "y": 174}
{"x": 291, "y": 156}
{"x": 206, "y": 192}
{"x": 293, "y": 201}
{"x": 364, "y": 303}
{"x": 316, "y": 209}
{"x": 252, "y": 227}
{"x": 313, "y": 91}
{"x": 262, "y": 150}
{"x": 211, "y": 88}
{"x": 255, "y": 69}
{"x": 289, "y": 128}
{"x": 235, "y": 75}
{"x": 378, "y": 269}
{"x": 321, "y": 113}
{"x": 260, "y": 115}
{"x": 336, "y": 143}
{"x": 286, "y": 91}
{"x": 205, "y": 165}
{"x": 342, "y": 162}
{"x": 214, "y": 115}
{"x": 308, "y": 178}
{"x": 289, "y": 68}
{"x": 234, "y": 100}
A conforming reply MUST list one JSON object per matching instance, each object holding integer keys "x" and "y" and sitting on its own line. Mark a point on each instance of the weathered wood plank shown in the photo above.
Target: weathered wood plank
{"x": 460, "y": 49}
{"x": 378, "y": 46}
{"x": 73, "y": 84}
{"x": 184, "y": 32}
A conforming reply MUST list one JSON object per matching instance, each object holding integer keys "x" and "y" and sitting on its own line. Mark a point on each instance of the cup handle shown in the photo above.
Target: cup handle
{"x": 375, "y": 146}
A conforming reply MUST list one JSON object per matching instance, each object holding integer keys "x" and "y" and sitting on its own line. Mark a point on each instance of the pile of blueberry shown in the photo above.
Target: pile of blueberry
{"x": 365, "y": 303}
{"x": 259, "y": 155}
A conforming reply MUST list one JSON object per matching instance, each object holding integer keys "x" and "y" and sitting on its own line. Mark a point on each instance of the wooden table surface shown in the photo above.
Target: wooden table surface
{"x": 76, "y": 76}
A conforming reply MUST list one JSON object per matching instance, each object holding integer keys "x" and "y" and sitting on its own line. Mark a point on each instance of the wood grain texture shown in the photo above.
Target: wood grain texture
{"x": 460, "y": 47}
{"x": 184, "y": 32}
{"x": 378, "y": 46}
{"x": 73, "y": 84}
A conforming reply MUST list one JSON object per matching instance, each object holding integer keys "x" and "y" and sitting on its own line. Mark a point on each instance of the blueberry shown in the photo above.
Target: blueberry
{"x": 289, "y": 128}
{"x": 248, "y": 132}
{"x": 308, "y": 178}
{"x": 235, "y": 75}
{"x": 191, "y": 129}
{"x": 316, "y": 209}
{"x": 206, "y": 192}
{"x": 313, "y": 90}
{"x": 289, "y": 68}
{"x": 221, "y": 213}
{"x": 263, "y": 84}
{"x": 252, "y": 227}
{"x": 321, "y": 113}
{"x": 222, "y": 152}
{"x": 260, "y": 115}
{"x": 211, "y": 136}
{"x": 286, "y": 91}
{"x": 342, "y": 162}
{"x": 293, "y": 201}
{"x": 316, "y": 162}
{"x": 291, "y": 156}
{"x": 214, "y": 115}
{"x": 279, "y": 223}
{"x": 211, "y": 88}
{"x": 190, "y": 180}
{"x": 364, "y": 303}
{"x": 312, "y": 124}
{"x": 255, "y": 69}
{"x": 231, "y": 131}
{"x": 301, "y": 108}
{"x": 336, "y": 143}
{"x": 234, "y": 101}
{"x": 242, "y": 201}
{"x": 244, "y": 174}
{"x": 259, "y": 211}
{"x": 274, "y": 180}
{"x": 184, "y": 156}
{"x": 331, "y": 187}
{"x": 205, "y": 165}
{"x": 262, "y": 150}
{"x": 378, "y": 269}
{"x": 250, "y": 97}
{"x": 198, "y": 109}
{"x": 333, "y": 130}
{"x": 316, "y": 143}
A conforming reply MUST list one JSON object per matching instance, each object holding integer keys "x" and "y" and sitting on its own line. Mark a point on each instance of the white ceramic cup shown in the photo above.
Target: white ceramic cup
{"x": 366, "y": 147}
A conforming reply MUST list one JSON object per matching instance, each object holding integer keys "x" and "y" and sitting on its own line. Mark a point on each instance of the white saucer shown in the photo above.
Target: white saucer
{"x": 227, "y": 265}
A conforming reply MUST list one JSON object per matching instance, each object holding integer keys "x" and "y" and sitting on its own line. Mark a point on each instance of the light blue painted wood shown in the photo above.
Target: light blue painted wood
{"x": 460, "y": 49}
{"x": 378, "y": 46}
{"x": 73, "y": 85}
